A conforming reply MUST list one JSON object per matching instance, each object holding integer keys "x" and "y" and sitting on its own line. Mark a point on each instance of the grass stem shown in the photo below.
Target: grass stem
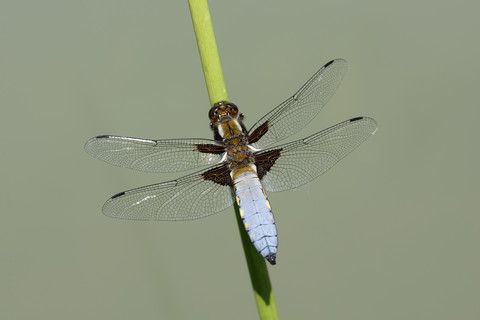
{"x": 212, "y": 70}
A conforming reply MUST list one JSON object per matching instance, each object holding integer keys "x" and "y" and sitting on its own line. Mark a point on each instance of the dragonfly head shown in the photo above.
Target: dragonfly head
{"x": 222, "y": 111}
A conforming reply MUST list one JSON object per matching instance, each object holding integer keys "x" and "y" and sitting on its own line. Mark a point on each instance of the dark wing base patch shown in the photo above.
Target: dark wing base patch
{"x": 258, "y": 133}
{"x": 219, "y": 175}
{"x": 210, "y": 148}
{"x": 265, "y": 160}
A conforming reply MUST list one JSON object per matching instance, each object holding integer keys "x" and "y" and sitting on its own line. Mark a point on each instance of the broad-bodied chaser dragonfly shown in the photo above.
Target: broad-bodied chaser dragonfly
{"x": 242, "y": 162}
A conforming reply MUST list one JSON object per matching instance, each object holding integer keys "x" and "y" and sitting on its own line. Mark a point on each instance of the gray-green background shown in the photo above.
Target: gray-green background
{"x": 392, "y": 232}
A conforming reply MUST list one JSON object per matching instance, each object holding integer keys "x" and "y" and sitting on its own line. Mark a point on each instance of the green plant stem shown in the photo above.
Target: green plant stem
{"x": 207, "y": 47}
{"x": 212, "y": 70}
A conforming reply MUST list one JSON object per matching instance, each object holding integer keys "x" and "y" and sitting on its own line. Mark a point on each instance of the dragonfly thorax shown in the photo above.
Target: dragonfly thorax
{"x": 226, "y": 122}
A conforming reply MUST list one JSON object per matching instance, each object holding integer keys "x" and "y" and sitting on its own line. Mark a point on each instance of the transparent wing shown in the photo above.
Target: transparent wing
{"x": 154, "y": 155}
{"x": 187, "y": 198}
{"x": 297, "y": 111}
{"x": 303, "y": 160}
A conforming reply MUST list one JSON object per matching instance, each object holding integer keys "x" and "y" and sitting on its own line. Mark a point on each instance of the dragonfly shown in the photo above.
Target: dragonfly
{"x": 239, "y": 165}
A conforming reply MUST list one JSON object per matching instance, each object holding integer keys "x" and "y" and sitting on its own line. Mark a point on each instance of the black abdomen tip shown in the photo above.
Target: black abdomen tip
{"x": 271, "y": 258}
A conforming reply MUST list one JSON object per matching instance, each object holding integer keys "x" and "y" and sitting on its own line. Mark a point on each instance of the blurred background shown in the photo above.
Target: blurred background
{"x": 391, "y": 232}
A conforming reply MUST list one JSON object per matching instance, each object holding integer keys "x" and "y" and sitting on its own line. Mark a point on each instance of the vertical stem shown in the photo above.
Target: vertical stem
{"x": 212, "y": 70}
{"x": 207, "y": 47}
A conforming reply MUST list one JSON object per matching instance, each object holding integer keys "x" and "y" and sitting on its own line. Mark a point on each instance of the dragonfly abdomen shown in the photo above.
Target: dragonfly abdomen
{"x": 256, "y": 213}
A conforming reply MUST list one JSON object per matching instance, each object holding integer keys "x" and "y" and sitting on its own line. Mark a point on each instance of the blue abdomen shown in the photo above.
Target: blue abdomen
{"x": 256, "y": 214}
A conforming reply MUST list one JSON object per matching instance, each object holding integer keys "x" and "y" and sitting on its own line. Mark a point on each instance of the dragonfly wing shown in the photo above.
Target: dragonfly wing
{"x": 293, "y": 164}
{"x": 297, "y": 111}
{"x": 191, "y": 197}
{"x": 155, "y": 155}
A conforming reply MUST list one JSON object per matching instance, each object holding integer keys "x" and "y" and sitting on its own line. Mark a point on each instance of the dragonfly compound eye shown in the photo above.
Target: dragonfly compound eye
{"x": 212, "y": 114}
{"x": 233, "y": 109}
{"x": 222, "y": 109}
